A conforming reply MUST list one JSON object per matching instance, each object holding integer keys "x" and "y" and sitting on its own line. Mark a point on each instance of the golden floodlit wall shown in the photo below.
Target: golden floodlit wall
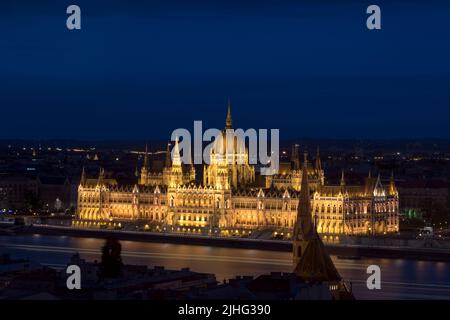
{"x": 227, "y": 200}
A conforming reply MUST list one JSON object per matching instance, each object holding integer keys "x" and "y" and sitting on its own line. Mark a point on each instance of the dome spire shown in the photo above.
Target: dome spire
{"x": 229, "y": 121}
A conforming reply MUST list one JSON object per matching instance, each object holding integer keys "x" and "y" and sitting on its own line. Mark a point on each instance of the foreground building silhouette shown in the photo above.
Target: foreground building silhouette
{"x": 229, "y": 203}
{"x": 312, "y": 263}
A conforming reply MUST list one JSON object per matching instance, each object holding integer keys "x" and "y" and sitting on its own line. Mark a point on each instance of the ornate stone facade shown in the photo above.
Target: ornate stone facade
{"x": 228, "y": 201}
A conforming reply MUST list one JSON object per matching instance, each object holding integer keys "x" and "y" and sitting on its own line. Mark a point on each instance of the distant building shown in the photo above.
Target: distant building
{"x": 17, "y": 192}
{"x": 33, "y": 193}
{"x": 426, "y": 197}
{"x": 54, "y": 192}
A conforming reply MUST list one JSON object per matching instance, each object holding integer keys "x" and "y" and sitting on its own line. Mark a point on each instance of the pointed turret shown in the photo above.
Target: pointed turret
{"x": 176, "y": 160}
{"x": 318, "y": 161}
{"x": 378, "y": 189}
{"x": 392, "y": 187}
{"x": 229, "y": 121}
{"x": 342, "y": 179}
{"x": 192, "y": 171}
{"x": 303, "y": 229}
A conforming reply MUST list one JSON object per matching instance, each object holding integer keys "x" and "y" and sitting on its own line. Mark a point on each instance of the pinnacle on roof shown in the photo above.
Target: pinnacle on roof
{"x": 229, "y": 121}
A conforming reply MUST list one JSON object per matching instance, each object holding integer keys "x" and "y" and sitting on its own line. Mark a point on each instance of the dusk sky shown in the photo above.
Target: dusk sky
{"x": 139, "y": 69}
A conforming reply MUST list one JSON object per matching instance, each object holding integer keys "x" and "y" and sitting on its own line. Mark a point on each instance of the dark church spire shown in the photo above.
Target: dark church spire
{"x": 303, "y": 228}
{"x": 311, "y": 260}
{"x": 304, "y": 208}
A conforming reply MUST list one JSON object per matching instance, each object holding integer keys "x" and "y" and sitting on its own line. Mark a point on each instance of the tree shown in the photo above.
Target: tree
{"x": 111, "y": 265}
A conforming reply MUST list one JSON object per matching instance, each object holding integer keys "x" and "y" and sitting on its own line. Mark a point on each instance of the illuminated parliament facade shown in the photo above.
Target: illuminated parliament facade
{"x": 229, "y": 202}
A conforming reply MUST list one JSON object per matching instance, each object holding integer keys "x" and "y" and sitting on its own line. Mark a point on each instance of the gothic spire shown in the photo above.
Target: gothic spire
{"x": 392, "y": 188}
{"x": 311, "y": 260}
{"x": 176, "y": 154}
{"x": 304, "y": 225}
{"x": 229, "y": 121}
{"x": 342, "y": 179}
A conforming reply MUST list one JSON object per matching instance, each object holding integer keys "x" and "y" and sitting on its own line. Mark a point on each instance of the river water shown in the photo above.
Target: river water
{"x": 400, "y": 279}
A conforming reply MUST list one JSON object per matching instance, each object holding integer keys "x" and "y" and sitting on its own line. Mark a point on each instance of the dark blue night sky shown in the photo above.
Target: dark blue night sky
{"x": 139, "y": 69}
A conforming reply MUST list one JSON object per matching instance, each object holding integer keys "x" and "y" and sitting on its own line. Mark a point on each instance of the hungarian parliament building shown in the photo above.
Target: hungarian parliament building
{"x": 230, "y": 202}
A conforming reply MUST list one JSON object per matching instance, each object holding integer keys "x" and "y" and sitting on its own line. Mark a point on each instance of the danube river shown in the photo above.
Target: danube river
{"x": 400, "y": 279}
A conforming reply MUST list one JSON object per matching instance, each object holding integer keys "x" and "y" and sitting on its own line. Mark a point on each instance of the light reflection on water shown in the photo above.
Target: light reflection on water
{"x": 404, "y": 279}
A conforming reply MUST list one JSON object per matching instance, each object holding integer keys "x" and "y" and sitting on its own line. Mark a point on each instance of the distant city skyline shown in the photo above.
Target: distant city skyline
{"x": 142, "y": 69}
